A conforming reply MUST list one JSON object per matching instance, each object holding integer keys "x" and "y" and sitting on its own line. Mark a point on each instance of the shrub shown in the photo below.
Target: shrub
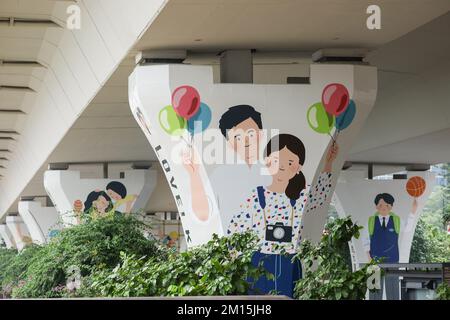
{"x": 443, "y": 291}
{"x": 14, "y": 273}
{"x": 85, "y": 247}
{"x": 327, "y": 274}
{"x": 6, "y": 257}
{"x": 220, "y": 267}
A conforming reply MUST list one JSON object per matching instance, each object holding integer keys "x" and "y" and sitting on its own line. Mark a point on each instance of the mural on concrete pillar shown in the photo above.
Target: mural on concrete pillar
{"x": 43, "y": 223}
{"x": 7, "y": 237}
{"x": 244, "y": 157}
{"x": 387, "y": 209}
{"x": 18, "y": 231}
{"x": 99, "y": 203}
{"x": 75, "y": 198}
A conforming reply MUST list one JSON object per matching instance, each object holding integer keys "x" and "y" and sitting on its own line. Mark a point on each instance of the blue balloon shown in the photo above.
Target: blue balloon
{"x": 346, "y": 117}
{"x": 201, "y": 120}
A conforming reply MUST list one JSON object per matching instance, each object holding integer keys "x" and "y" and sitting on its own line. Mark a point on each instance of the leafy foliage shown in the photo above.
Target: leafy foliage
{"x": 219, "y": 267}
{"x": 446, "y": 194}
{"x": 14, "y": 273}
{"x": 443, "y": 291}
{"x": 6, "y": 258}
{"x": 85, "y": 247}
{"x": 431, "y": 243}
{"x": 327, "y": 274}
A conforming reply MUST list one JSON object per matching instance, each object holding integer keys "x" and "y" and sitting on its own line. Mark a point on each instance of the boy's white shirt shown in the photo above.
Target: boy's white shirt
{"x": 232, "y": 183}
{"x": 404, "y": 227}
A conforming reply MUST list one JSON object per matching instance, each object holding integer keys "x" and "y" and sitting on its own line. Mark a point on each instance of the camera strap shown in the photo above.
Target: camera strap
{"x": 262, "y": 203}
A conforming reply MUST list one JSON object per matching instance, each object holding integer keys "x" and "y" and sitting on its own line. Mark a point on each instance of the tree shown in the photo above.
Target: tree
{"x": 431, "y": 243}
{"x": 446, "y": 194}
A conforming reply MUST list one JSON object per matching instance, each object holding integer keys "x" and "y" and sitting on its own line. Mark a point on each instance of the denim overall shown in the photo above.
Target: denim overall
{"x": 384, "y": 242}
{"x": 285, "y": 272}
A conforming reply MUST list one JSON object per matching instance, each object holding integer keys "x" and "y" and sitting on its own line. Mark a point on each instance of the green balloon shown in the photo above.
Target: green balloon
{"x": 319, "y": 120}
{"x": 171, "y": 122}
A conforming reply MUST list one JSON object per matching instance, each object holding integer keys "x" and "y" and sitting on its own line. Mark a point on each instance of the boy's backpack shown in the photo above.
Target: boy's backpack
{"x": 394, "y": 217}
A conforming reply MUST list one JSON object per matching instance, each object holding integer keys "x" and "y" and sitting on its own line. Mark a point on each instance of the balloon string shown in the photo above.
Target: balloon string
{"x": 332, "y": 138}
{"x": 185, "y": 140}
{"x": 336, "y": 135}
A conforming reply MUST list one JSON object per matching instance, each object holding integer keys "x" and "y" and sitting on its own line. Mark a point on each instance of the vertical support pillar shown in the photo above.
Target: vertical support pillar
{"x": 7, "y": 237}
{"x": 40, "y": 221}
{"x": 19, "y": 231}
{"x": 214, "y": 176}
{"x": 236, "y": 66}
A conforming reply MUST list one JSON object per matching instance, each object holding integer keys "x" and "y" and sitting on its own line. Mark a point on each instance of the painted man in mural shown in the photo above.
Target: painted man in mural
{"x": 383, "y": 240}
{"x": 118, "y": 194}
{"x": 241, "y": 126}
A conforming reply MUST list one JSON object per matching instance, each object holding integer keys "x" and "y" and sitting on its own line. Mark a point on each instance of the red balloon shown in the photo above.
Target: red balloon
{"x": 335, "y": 98}
{"x": 186, "y": 101}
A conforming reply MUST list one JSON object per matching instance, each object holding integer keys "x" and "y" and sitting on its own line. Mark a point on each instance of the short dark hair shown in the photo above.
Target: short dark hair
{"x": 388, "y": 198}
{"x": 118, "y": 188}
{"x": 237, "y": 114}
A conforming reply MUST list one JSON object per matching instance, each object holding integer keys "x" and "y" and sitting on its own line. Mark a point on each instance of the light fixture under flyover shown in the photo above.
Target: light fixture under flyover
{"x": 11, "y": 111}
{"x": 16, "y": 88}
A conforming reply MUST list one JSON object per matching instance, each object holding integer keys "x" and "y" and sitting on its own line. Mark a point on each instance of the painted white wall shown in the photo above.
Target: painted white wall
{"x": 283, "y": 108}
{"x": 7, "y": 237}
{"x": 19, "y": 231}
{"x": 38, "y": 219}
{"x": 78, "y": 63}
{"x": 354, "y": 196}
{"x": 65, "y": 187}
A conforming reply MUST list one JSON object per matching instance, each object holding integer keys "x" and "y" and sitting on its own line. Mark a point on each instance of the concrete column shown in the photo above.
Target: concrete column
{"x": 355, "y": 195}
{"x": 19, "y": 231}
{"x": 70, "y": 193}
{"x": 211, "y": 181}
{"x": 40, "y": 221}
{"x": 236, "y": 66}
{"x": 7, "y": 237}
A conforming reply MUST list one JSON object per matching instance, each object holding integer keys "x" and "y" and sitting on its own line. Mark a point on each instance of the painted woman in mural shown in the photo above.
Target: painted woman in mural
{"x": 97, "y": 204}
{"x": 274, "y": 211}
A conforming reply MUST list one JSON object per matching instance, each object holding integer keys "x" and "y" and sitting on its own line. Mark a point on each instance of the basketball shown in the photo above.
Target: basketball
{"x": 415, "y": 186}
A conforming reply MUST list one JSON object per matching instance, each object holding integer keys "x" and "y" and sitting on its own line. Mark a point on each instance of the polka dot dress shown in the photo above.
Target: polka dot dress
{"x": 278, "y": 210}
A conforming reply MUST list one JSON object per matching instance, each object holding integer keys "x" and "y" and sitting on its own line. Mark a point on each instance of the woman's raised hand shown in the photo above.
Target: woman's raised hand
{"x": 332, "y": 154}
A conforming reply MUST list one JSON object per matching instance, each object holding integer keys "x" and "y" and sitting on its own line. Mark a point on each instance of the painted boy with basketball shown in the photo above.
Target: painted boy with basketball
{"x": 383, "y": 241}
{"x": 384, "y": 229}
